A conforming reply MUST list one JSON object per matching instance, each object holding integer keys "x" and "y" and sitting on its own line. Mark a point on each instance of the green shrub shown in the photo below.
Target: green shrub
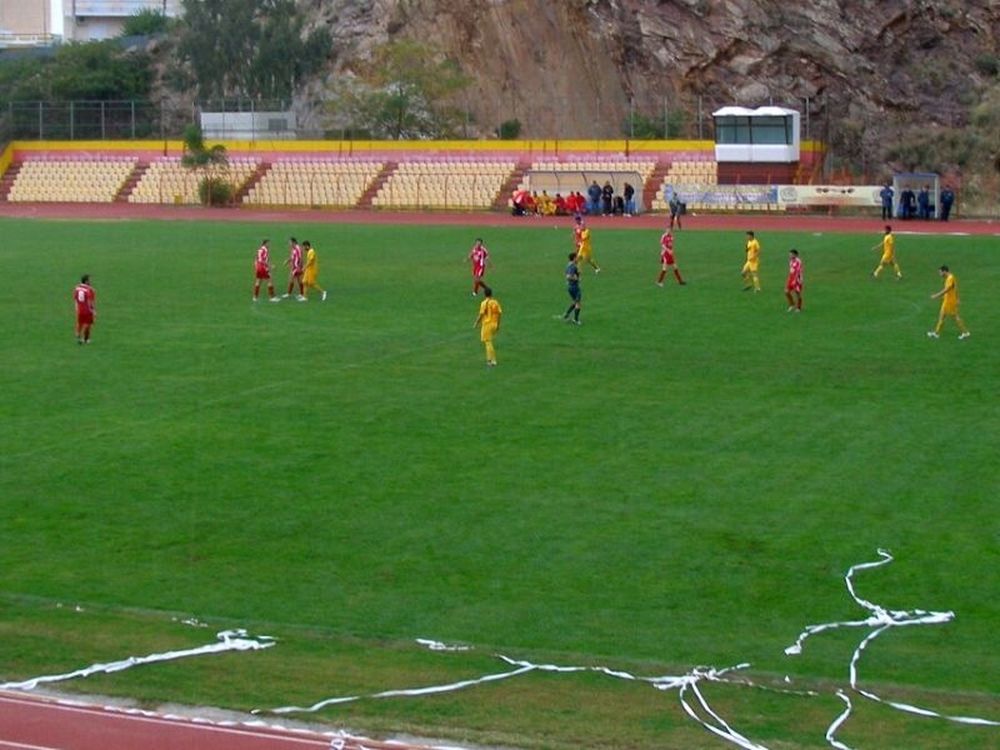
{"x": 988, "y": 64}
{"x": 509, "y": 130}
{"x": 215, "y": 191}
{"x": 145, "y": 23}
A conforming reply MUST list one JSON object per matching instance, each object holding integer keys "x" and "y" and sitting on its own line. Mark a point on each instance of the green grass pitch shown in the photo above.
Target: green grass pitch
{"x": 681, "y": 480}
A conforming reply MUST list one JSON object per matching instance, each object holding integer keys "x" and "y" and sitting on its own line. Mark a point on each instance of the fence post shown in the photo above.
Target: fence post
{"x": 72, "y": 120}
{"x": 41, "y": 128}
{"x": 132, "y": 103}
{"x": 102, "y": 121}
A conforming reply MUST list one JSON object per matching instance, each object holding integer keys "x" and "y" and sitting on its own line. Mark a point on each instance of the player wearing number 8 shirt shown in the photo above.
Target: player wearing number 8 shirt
{"x": 262, "y": 271}
{"x": 83, "y": 296}
{"x": 793, "y": 285}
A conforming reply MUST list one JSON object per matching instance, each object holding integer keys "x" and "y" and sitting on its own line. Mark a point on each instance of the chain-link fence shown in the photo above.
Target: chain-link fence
{"x": 91, "y": 120}
{"x": 578, "y": 117}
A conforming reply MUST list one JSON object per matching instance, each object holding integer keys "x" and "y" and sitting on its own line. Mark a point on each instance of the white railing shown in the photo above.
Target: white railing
{"x": 10, "y": 39}
{"x": 124, "y": 8}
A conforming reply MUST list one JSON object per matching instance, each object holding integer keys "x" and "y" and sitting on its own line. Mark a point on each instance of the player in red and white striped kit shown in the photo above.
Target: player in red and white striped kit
{"x": 479, "y": 257}
{"x": 667, "y": 259}
{"x": 262, "y": 271}
{"x": 793, "y": 285}
{"x": 295, "y": 270}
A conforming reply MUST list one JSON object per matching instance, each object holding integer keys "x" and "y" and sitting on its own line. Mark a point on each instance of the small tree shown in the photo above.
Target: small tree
{"x": 509, "y": 130}
{"x": 406, "y": 93}
{"x": 215, "y": 187}
{"x": 145, "y": 22}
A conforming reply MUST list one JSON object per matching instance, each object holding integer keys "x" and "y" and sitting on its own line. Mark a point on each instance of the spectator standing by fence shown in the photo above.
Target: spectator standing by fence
{"x": 629, "y": 193}
{"x": 907, "y": 204}
{"x": 594, "y": 194}
{"x": 887, "y": 194}
{"x": 608, "y": 198}
{"x": 947, "y": 200}
{"x": 924, "y": 203}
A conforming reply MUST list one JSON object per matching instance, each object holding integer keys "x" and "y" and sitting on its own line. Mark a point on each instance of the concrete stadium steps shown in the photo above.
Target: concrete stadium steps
{"x": 254, "y": 180}
{"x": 133, "y": 179}
{"x": 507, "y": 189}
{"x": 653, "y": 187}
{"x": 377, "y": 184}
{"x": 9, "y": 177}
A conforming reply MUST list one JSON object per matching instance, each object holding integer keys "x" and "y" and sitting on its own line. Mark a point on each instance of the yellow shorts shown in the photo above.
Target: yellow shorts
{"x": 949, "y": 308}
{"x": 309, "y": 278}
{"x": 486, "y": 333}
{"x": 750, "y": 267}
{"x": 887, "y": 260}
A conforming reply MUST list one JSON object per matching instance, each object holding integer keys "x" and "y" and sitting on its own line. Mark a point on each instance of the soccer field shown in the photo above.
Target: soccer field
{"x": 682, "y": 480}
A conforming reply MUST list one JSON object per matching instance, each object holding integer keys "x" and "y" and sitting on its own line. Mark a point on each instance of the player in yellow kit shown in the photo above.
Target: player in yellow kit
{"x": 949, "y": 305}
{"x": 489, "y": 322}
{"x": 751, "y": 267}
{"x": 311, "y": 272}
{"x": 888, "y": 247}
{"x": 584, "y": 250}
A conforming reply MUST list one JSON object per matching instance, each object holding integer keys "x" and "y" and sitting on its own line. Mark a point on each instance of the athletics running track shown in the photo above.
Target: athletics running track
{"x": 34, "y": 723}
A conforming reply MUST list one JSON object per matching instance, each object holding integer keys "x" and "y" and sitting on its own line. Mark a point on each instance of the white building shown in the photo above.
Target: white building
{"x": 29, "y": 23}
{"x": 85, "y": 20}
{"x": 35, "y": 23}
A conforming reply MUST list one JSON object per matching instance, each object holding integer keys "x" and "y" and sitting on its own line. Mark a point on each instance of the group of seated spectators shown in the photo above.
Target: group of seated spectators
{"x": 534, "y": 204}
{"x": 599, "y": 200}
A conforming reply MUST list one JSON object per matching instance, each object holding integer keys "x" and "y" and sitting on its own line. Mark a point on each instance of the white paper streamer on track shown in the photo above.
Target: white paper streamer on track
{"x": 228, "y": 640}
{"x": 683, "y": 684}
{"x": 880, "y": 620}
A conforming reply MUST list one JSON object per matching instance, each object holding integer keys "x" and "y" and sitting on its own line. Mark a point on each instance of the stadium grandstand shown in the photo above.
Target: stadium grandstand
{"x": 458, "y": 175}
{"x": 68, "y": 180}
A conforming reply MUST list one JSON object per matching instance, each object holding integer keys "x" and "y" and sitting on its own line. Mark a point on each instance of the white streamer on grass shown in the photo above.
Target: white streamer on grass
{"x": 702, "y": 712}
{"x": 227, "y": 640}
{"x": 439, "y": 646}
{"x": 881, "y": 620}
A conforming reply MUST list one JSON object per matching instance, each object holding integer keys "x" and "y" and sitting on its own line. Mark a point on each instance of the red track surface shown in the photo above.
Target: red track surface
{"x": 28, "y": 723}
{"x": 757, "y": 221}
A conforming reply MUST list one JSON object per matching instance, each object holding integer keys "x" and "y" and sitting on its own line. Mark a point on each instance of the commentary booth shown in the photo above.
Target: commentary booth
{"x": 757, "y": 146}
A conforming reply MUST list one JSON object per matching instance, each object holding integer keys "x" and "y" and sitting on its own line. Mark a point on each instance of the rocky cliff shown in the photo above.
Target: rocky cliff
{"x": 861, "y": 69}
